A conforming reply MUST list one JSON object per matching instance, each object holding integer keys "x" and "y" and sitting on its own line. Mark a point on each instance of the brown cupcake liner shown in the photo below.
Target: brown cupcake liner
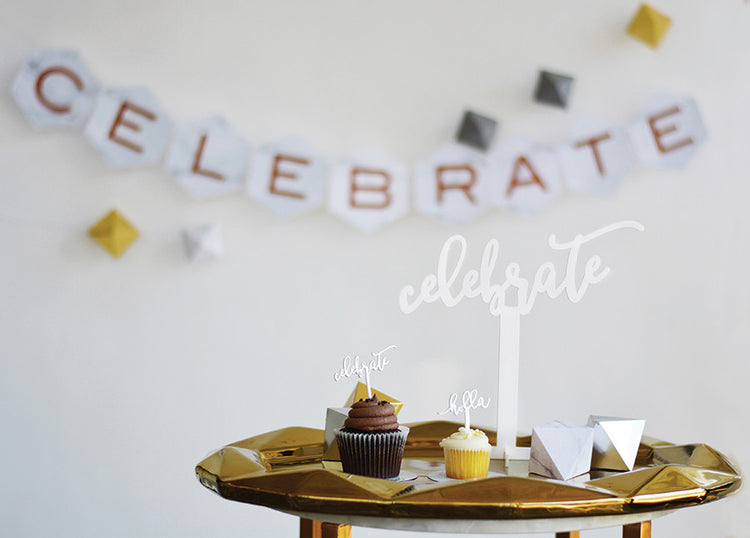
{"x": 376, "y": 454}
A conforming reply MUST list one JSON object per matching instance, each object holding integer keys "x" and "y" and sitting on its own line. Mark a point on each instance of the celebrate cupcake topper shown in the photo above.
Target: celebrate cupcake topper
{"x": 470, "y": 400}
{"x": 353, "y": 366}
{"x": 449, "y": 286}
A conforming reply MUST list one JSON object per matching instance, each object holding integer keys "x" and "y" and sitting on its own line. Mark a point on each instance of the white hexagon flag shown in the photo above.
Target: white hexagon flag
{"x": 616, "y": 442}
{"x": 369, "y": 190}
{"x": 526, "y": 176}
{"x": 55, "y": 89}
{"x": 452, "y": 184}
{"x": 128, "y": 128}
{"x": 208, "y": 158}
{"x": 288, "y": 177}
{"x": 203, "y": 242}
{"x": 596, "y": 158}
{"x": 669, "y": 131}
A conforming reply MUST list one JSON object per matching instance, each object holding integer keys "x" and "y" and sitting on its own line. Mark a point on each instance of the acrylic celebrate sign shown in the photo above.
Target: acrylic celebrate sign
{"x": 353, "y": 366}
{"x": 449, "y": 286}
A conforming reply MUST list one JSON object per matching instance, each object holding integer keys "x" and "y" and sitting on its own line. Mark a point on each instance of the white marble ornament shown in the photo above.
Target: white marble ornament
{"x": 561, "y": 450}
{"x": 128, "y": 128}
{"x": 335, "y": 418}
{"x": 288, "y": 177}
{"x": 369, "y": 190}
{"x": 616, "y": 442}
{"x": 526, "y": 176}
{"x": 203, "y": 243}
{"x": 208, "y": 158}
{"x": 452, "y": 184}
{"x": 55, "y": 89}
{"x": 596, "y": 158}
{"x": 668, "y": 132}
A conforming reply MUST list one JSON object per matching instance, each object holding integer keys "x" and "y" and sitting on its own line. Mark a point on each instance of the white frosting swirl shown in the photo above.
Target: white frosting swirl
{"x": 466, "y": 438}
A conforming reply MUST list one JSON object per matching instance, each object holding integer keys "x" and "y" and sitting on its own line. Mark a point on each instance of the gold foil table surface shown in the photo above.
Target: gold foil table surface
{"x": 288, "y": 470}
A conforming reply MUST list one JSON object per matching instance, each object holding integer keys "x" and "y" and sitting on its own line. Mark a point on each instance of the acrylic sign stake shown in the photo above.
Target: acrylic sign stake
{"x": 448, "y": 286}
{"x": 351, "y": 367}
{"x": 470, "y": 400}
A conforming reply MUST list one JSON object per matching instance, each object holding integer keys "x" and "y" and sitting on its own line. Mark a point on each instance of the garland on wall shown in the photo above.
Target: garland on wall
{"x": 456, "y": 183}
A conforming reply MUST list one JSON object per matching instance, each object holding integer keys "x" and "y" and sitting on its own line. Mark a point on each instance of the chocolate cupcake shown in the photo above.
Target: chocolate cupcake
{"x": 371, "y": 443}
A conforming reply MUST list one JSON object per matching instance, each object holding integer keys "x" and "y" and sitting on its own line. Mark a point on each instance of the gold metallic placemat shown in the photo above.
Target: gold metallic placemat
{"x": 289, "y": 470}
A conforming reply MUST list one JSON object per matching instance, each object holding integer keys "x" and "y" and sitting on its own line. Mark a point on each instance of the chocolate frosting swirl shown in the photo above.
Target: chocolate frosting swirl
{"x": 371, "y": 415}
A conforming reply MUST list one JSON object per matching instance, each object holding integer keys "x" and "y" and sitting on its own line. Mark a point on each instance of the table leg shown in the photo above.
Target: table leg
{"x": 637, "y": 530}
{"x": 569, "y": 534}
{"x": 310, "y": 528}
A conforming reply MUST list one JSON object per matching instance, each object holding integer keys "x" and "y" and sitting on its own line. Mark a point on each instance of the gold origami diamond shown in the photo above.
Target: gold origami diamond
{"x": 649, "y": 25}
{"x": 114, "y": 233}
{"x": 360, "y": 393}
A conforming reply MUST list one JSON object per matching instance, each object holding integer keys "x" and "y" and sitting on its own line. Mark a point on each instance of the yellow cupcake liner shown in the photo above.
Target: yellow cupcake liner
{"x": 463, "y": 463}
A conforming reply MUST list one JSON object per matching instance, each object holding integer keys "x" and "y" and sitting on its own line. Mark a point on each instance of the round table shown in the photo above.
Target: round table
{"x": 291, "y": 470}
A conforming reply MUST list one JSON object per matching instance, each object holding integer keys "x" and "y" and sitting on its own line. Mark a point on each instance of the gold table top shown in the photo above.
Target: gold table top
{"x": 288, "y": 470}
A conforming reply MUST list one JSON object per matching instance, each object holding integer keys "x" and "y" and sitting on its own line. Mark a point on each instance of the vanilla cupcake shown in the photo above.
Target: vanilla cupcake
{"x": 467, "y": 454}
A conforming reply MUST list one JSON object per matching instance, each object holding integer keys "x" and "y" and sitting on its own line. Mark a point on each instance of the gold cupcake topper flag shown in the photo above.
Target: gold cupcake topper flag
{"x": 469, "y": 400}
{"x": 448, "y": 286}
{"x": 361, "y": 369}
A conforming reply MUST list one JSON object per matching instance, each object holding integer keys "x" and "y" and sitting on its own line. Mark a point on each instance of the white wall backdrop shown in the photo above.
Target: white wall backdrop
{"x": 118, "y": 376}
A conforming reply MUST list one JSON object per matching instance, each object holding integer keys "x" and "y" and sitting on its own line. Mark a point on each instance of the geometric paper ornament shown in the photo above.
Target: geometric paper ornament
{"x": 203, "y": 242}
{"x": 616, "y": 442}
{"x": 360, "y": 393}
{"x": 55, "y": 89}
{"x": 561, "y": 450}
{"x": 114, "y": 233}
{"x": 649, "y": 26}
{"x": 553, "y": 89}
{"x": 335, "y": 418}
{"x": 476, "y": 130}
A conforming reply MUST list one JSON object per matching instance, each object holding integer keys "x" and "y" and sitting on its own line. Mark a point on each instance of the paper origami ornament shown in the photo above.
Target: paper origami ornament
{"x": 369, "y": 190}
{"x": 596, "y": 158}
{"x": 452, "y": 184}
{"x": 553, "y": 89}
{"x": 128, "y": 128}
{"x": 114, "y": 233}
{"x": 208, "y": 158}
{"x": 360, "y": 393}
{"x": 476, "y": 130}
{"x": 561, "y": 450}
{"x": 649, "y": 25}
{"x": 288, "y": 177}
{"x": 669, "y": 131}
{"x": 335, "y": 418}
{"x": 616, "y": 442}
{"x": 55, "y": 90}
{"x": 203, "y": 243}
{"x": 527, "y": 176}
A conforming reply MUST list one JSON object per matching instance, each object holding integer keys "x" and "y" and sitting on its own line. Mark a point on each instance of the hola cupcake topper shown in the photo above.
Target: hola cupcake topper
{"x": 353, "y": 366}
{"x": 469, "y": 400}
{"x": 449, "y": 286}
